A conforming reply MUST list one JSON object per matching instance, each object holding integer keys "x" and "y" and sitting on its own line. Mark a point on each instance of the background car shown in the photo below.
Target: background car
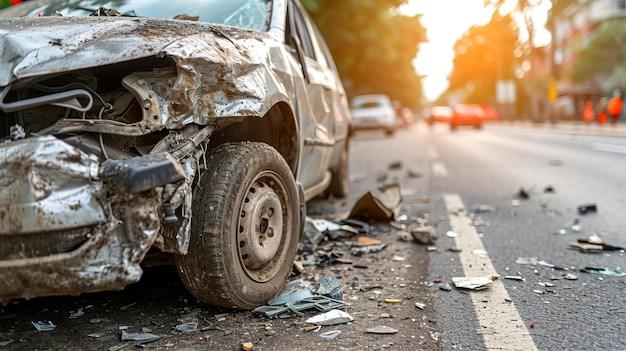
{"x": 194, "y": 129}
{"x": 467, "y": 115}
{"x": 373, "y": 111}
{"x": 441, "y": 114}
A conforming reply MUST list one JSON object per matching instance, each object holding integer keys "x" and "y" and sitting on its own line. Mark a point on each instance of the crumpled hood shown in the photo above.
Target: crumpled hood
{"x": 32, "y": 46}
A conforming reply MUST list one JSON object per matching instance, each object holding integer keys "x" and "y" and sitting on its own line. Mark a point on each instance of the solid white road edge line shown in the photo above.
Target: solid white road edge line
{"x": 502, "y": 327}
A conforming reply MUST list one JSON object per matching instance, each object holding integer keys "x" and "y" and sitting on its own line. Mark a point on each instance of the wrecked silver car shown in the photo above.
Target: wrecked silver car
{"x": 198, "y": 129}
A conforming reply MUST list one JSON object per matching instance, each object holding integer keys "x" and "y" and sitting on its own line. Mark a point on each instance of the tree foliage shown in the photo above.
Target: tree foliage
{"x": 373, "y": 45}
{"x": 604, "y": 56}
{"x": 483, "y": 55}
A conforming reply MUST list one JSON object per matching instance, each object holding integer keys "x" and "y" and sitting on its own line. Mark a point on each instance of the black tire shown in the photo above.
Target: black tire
{"x": 340, "y": 181}
{"x": 245, "y": 186}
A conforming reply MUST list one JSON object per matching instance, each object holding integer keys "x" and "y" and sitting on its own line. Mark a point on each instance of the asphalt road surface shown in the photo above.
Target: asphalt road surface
{"x": 467, "y": 184}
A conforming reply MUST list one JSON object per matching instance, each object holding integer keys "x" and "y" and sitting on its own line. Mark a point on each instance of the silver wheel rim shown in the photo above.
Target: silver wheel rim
{"x": 263, "y": 220}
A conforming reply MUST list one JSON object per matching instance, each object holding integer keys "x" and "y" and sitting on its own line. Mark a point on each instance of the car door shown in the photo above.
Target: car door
{"x": 315, "y": 101}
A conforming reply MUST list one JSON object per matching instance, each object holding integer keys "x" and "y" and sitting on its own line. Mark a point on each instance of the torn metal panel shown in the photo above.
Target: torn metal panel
{"x": 47, "y": 185}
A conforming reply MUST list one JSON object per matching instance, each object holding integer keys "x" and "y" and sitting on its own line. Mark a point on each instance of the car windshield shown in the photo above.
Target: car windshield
{"x": 251, "y": 14}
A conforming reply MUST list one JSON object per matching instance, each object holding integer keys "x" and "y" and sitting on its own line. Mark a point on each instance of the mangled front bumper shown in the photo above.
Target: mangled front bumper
{"x": 69, "y": 224}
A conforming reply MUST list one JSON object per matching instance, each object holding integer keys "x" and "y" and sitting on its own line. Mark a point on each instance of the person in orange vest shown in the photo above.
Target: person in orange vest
{"x": 588, "y": 112}
{"x": 601, "y": 114}
{"x": 615, "y": 106}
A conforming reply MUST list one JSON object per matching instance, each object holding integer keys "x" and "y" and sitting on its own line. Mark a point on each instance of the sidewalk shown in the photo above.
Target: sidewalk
{"x": 576, "y": 127}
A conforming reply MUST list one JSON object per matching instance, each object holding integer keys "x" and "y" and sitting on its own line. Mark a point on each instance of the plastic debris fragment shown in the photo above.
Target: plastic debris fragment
{"x": 420, "y": 305}
{"x": 603, "y": 271}
{"x": 367, "y": 241}
{"x": 381, "y": 329}
{"x": 247, "y": 346}
{"x": 393, "y": 300}
{"x": 44, "y": 326}
{"x": 514, "y": 277}
{"x": 444, "y": 286}
{"x": 329, "y": 335}
{"x": 473, "y": 283}
{"x": 570, "y": 276}
{"x": 331, "y": 318}
{"x": 144, "y": 337}
{"x": 452, "y": 234}
{"x": 187, "y": 327}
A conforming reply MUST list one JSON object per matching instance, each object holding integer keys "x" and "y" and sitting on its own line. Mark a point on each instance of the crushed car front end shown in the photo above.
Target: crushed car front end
{"x": 99, "y": 147}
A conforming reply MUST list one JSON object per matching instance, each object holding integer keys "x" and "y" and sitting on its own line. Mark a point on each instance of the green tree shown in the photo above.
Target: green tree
{"x": 604, "y": 56}
{"x": 483, "y": 55}
{"x": 373, "y": 45}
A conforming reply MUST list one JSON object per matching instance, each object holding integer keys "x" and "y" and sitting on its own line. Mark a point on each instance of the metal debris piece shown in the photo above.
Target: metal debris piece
{"x": 77, "y": 313}
{"x": 514, "y": 277}
{"x": 221, "y": 317}
{"x": 473, "y": 283}
{"x": 420, "y": 305}
{"x": 330, "y": 286}
{"x": 358, "y": 251}
{"x": 143, "y": 337}
{"x": 585, "y": 247}
{"x": 603, "y": 271}
{"x": 329, "y": 335}
{"x": 44, "y": 326}
{"x": 398, "y": 258}
{"x": 425, "y": 235}
{"x": 382, "y": 208}
{"x": 539, "y": 292}
{"x": 381, "y": 329}
{"x": 188, "y": 327}
{"x": 587, "y": 208}
{"x": 605, "y": 247}
{"x": 331, "y": 317}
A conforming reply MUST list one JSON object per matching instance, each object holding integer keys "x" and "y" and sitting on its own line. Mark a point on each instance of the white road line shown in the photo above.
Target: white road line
{"x": 502, "y": 327}
{"x": 439, "y": 169}
{"x": 609, "y": 148}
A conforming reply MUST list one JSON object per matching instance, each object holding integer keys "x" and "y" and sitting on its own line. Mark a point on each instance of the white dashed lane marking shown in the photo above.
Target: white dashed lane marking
{"x": 502, "y": 327}
{"x": 609, "y": 148}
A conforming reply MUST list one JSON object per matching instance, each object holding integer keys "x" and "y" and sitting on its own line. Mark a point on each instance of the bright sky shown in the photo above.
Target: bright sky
{"x": 445, "y": 21}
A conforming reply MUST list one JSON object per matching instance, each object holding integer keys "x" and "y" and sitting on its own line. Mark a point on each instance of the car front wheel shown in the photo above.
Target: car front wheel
{"x": 245, "y": 227}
